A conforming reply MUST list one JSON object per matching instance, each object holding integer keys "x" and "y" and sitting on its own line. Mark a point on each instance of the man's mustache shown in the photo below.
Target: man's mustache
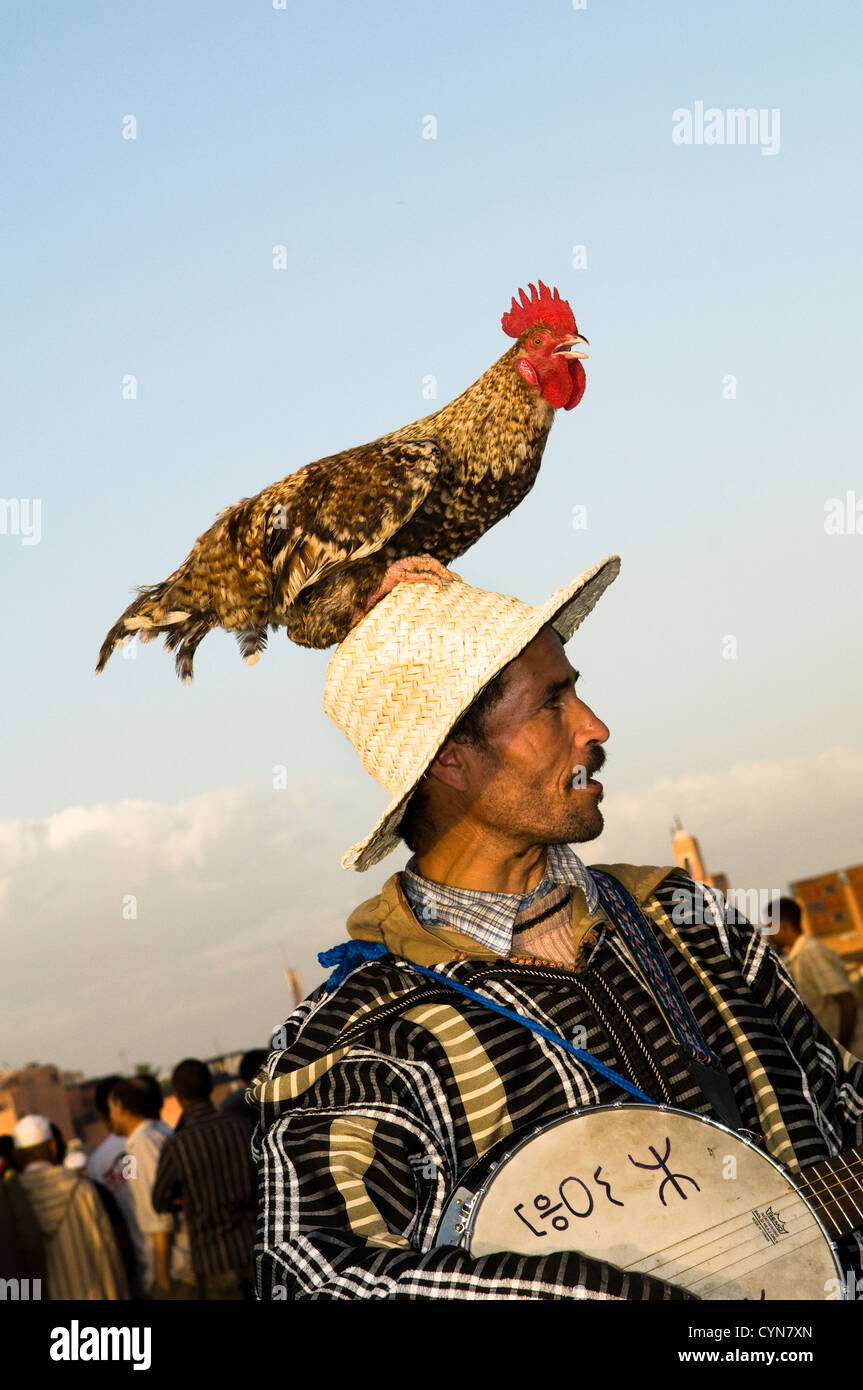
{"x": 598, "y": 763}
{"x": 595, "y": 765}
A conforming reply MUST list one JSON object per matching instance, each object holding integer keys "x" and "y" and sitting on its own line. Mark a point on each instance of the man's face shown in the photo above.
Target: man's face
{"x": 533, "y": 781}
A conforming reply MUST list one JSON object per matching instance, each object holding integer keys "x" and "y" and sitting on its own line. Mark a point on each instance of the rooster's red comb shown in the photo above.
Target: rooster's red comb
{"x": 546, "y": 306}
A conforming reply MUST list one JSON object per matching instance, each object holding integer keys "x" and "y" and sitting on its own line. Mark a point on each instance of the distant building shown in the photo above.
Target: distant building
{"x": 687, "y": 856}
{"x": 833, "y": 908}
{"x": 832, "y": 903}
{"x": 35, "y": 1090}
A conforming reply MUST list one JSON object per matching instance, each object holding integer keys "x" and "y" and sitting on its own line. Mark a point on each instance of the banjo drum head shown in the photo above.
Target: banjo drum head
{"x": 653, "y": 1190}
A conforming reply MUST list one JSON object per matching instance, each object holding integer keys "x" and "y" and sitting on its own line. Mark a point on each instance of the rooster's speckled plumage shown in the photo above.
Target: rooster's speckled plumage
{"x": 307, "y": 552}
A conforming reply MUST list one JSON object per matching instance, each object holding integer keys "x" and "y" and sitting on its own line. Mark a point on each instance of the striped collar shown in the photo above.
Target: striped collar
{"x": 489, "y": 917}
{"x": 194, "y": 1112}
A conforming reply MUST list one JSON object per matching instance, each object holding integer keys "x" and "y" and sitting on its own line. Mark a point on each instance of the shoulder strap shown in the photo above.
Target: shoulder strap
{"x": 344, "y": 959}
{"x": 705, "y": 1066}
{"x": 581, "y": 1053}
{"x": 625, "y": 912}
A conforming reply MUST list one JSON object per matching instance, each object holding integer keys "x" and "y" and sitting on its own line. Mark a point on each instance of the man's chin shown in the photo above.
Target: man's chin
{"x": 587, "y": 826}
{"x": 596, "y": 827}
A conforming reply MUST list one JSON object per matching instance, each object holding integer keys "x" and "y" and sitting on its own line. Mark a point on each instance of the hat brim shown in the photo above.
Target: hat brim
{"x": 566, "y": 609}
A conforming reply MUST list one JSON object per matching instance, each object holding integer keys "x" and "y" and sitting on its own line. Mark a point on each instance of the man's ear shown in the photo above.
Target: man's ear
{"x": 451, "y": 766}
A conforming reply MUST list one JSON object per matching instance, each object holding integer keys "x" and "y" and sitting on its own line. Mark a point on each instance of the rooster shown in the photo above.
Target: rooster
{"x": 313, "y": 552}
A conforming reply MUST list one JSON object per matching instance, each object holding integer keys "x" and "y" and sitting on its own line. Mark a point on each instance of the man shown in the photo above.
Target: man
{"x": 82, "y": 1259}
{"x": 464, "y": 705}
{"x": 235, "y": 1103}
{"x": 133, "y": 1108}
{"x": 820, "y": 976}
{"x": 105, "y": 1163}
{"x": 207, "y": 1166}
{"x": 22, "y": 1253}
{"x": 107, "y": 1168}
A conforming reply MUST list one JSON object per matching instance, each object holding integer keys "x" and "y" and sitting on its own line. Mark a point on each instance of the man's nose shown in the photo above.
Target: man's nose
{"x": 590, "y": 728}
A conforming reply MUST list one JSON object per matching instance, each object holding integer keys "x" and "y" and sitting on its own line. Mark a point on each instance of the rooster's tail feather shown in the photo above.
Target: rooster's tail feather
{"x": 252, "y": 642}
{"x": 149, "y": 616}
{"x": 186, "y": 636}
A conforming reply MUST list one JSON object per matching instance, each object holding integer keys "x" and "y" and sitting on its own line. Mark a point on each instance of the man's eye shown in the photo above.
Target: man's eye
{"x": 553, "y": 704}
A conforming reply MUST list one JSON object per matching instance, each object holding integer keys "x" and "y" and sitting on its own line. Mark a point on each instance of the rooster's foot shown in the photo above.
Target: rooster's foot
{"x": 412, "y": 567}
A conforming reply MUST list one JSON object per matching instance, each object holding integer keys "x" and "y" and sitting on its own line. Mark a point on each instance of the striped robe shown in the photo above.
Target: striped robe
{"x": 81, "y": 1255}
{"x": 390, "y": 1087}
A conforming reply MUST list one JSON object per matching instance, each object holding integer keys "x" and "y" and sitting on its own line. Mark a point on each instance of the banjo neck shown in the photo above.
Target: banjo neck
{"x": 834, "y": 1187}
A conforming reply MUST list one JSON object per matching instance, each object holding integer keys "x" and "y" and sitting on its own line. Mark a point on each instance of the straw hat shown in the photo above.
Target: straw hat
{"x": 408, "y": 671}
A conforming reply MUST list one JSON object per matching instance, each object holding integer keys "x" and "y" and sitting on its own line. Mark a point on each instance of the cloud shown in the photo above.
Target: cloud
{"x": 156, "y": 931}
{"x": 763, "y": 823}
{"x": 231, "y": 888}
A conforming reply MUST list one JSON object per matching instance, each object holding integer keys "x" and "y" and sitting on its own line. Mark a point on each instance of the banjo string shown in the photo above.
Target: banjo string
{"x": 740, "y": 1220}
{"x": 759, "y": 1256}
{"x": 767, "y": 1257}
{"x": 723, "y": 1229}
{"x": 779, "y": 1205}
{"x": 817, "y": 1185}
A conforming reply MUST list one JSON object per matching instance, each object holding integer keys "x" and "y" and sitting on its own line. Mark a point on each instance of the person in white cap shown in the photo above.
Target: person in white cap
{"x": 82, "y": 1259}
{"x": 497, "y": 982}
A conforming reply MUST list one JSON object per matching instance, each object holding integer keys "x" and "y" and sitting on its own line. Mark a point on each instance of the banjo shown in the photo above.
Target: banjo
{"x": 663, "y": 1192}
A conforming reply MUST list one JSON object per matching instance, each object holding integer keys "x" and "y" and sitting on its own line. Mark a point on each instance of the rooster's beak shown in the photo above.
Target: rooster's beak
{"x": 564, "y": 349}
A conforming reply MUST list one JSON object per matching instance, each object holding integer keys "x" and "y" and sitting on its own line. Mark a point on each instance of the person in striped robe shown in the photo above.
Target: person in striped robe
{"x": 81, "y": 1254}
{"x": 386, "y": 1085}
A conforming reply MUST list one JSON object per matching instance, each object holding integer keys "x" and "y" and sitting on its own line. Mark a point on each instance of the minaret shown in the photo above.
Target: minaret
{"x": 687, "y": 856}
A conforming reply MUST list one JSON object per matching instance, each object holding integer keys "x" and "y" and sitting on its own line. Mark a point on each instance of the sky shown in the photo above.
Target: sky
{"x": 156, "y": 366}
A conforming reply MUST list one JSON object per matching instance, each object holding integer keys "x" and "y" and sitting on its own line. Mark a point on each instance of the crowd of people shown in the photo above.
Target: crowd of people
{"x": 160, "y": 1213}
{"x": 152, "y": 1212}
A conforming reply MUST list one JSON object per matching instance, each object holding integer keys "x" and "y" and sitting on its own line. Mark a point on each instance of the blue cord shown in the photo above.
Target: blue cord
{"x": 349, "y": 954}
{"x": 538, "y": 1028}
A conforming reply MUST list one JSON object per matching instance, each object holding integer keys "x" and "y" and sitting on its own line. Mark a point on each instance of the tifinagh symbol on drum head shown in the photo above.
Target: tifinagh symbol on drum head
{"x": 584, "y": 1200}
{"x": 674, "y": 1178}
